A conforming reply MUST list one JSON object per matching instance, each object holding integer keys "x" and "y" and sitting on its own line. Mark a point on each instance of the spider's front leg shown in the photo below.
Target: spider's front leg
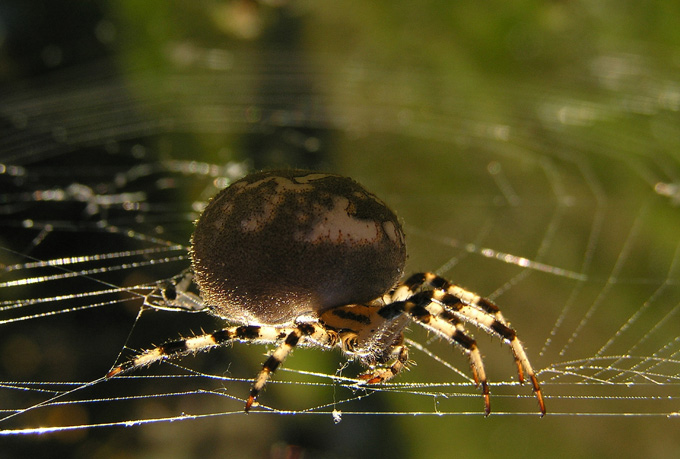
{"x": 449, "y": 328}
{"x": 447, "y": 300}
{"x": 474, "y": 308}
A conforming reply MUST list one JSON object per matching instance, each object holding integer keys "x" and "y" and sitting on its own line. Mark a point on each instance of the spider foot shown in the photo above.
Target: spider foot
{"x": 251, "y": 401}
{"x": 377, "y": 376}
{"x": 520, "y": 372}
{"x": 539, "y": 394}
{"x": 385, "y": 374}
{"x": 487, "y": 398}
{"x": 114, "y": 372}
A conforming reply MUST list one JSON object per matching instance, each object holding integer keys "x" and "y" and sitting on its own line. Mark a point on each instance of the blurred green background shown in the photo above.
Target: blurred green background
{"x": 536, "y": 129}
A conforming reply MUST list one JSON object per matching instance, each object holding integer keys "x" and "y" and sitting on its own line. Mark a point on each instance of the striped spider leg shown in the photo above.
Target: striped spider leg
{"x": 287, "y": 338}
{"x": 452, "y": 303}
{"x": 313, "y": 259}
{"x": 371, "y": 333}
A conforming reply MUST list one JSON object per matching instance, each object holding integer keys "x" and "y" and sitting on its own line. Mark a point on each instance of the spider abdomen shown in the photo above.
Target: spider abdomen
{"x": 279, "y": 244}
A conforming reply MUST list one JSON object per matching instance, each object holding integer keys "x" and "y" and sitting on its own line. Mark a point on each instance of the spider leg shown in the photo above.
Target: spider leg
{"x": 479, "y": 311}
{"x": 194, "y": 344}
{"x": 313, "y": 333}
{"x": 452, "y": 330}
{"x": 446, "y": 301}
{"x": 414, "y": 282}
{"x": 303, "y": 332}
{"x": 385, "y": 374}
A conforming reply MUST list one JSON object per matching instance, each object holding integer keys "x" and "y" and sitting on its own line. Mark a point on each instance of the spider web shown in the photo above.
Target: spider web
{"x": 559, "y": 202}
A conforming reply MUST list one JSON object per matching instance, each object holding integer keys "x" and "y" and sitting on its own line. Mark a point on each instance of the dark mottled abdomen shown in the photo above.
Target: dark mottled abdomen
{"x": 278, "y": 244}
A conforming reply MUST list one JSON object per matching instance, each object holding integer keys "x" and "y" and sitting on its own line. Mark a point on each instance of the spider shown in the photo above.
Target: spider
{"x": 302, "y": 258}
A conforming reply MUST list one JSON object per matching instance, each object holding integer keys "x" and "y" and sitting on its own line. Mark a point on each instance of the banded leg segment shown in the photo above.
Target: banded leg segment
{"x": 194, "y": 344}
{"x": 441, "y": 302}
{"x": 470, "y": 307}
{"x": 304, "y": 331}
{"x": 416, "y": 281}
{"x": 449, "y": 328}
{"x": 292, "y": 336}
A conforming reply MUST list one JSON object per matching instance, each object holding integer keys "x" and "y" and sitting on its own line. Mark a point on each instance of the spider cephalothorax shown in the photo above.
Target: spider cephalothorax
{"x": 298, "y": 257}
